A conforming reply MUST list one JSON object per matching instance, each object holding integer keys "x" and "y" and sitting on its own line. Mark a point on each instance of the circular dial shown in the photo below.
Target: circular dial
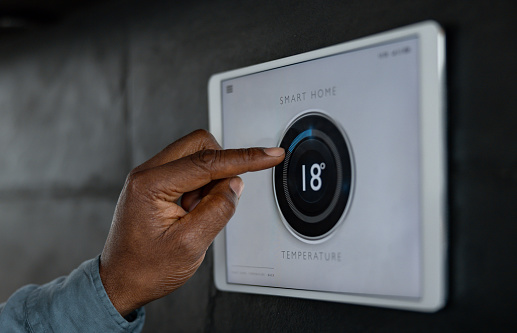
{"x": 314, "y": 182}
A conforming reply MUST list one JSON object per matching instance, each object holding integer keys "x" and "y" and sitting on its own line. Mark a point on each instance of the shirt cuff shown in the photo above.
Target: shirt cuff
{"x": 78, "y": 303}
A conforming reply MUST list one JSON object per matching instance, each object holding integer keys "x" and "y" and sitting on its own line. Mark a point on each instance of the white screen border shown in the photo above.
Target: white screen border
{"x": 433, "y": 142}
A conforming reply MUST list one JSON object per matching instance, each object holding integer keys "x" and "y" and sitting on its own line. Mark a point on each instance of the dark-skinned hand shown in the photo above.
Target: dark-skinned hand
{"x": 156, "y": 244}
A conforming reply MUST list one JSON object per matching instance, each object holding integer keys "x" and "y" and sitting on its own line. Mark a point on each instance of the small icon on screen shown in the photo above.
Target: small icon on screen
{"x": 229, "y": 89}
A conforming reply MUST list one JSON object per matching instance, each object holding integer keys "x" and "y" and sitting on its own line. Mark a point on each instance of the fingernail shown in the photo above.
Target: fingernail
{"x": 237, "y": 186}
{"x": 275, "y": 152}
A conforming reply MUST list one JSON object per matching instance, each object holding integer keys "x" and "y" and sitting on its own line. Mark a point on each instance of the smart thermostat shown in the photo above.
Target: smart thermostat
{"x": 313, "y": 184}
{"x": 355, "y": 213}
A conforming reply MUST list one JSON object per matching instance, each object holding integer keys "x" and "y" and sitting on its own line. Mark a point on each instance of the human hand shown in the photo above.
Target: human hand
{"x": 155, "y": 245}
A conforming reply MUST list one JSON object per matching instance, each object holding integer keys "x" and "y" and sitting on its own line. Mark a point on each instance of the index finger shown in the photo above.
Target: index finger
{"x": 194, "y": 171}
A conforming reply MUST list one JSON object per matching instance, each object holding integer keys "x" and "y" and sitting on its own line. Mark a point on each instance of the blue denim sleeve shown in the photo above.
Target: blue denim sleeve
{"x": 75, "y": 303}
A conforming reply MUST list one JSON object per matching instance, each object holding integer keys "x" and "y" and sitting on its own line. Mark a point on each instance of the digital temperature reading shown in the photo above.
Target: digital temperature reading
{"x": 315, "y": 176}
{"x": 314, "y": 183}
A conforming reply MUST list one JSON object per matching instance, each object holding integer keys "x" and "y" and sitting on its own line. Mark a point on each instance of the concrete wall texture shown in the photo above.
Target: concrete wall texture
{"x": 84, "y": 100}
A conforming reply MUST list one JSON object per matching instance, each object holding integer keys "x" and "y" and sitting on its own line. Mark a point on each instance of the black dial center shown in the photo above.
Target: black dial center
{"x": 312, "y": 170}
{"x": 313, "y": 183}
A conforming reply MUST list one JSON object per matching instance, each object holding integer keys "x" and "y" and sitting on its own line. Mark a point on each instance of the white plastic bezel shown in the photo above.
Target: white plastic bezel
{"x": 433, "y": 168}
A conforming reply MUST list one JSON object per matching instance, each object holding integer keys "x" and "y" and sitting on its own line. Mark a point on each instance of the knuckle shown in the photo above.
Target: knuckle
{"x": 205, "y": 138}
{"x": 132, "y": 172}
{"x": 209, "y": 156}
{"x": 136, "y": 181}
{"x": 247, "y": 155}
{"x": 206, "y": 159}
{"x": 202, "y": 134}
{"x": 190, "y": 244}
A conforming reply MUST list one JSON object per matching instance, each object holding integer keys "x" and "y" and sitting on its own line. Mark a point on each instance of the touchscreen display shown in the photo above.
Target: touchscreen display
{"x": 342, "y": 212}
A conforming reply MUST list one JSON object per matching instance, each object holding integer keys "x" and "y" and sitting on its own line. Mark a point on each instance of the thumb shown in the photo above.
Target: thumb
{"x": 213, "y": 212}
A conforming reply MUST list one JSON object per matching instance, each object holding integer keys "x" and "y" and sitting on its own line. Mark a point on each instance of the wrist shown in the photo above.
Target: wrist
{"x": 118, "y": 293}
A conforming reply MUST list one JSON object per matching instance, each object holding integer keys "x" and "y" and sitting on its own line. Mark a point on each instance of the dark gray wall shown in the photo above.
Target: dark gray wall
{"x": 84, "y": 100}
